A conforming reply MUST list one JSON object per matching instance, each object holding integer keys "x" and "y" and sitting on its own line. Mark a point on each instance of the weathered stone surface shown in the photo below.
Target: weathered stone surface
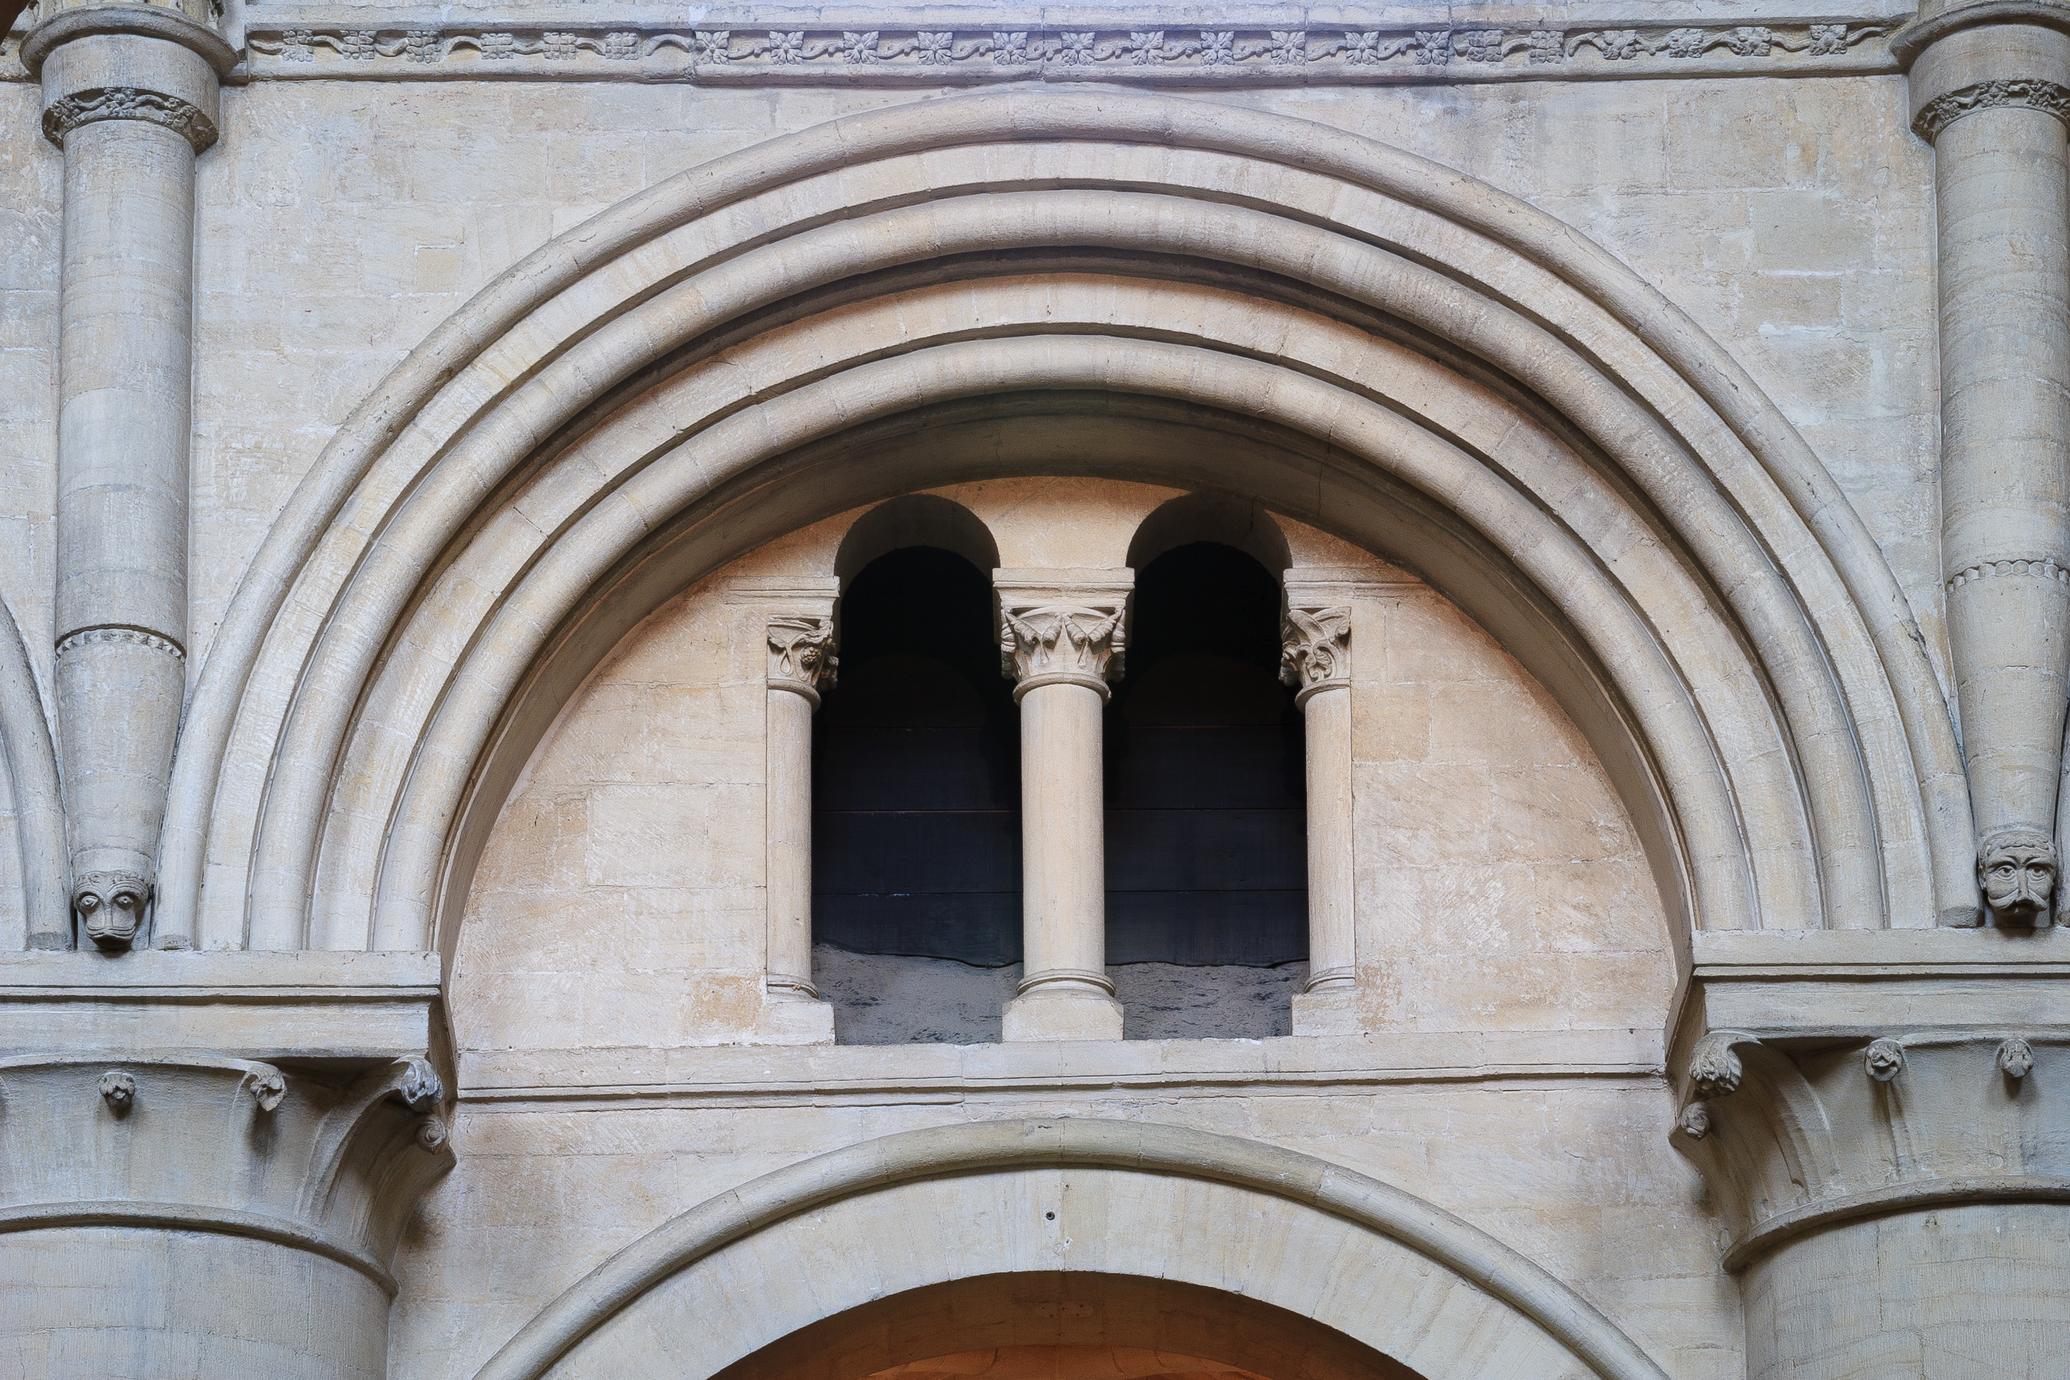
{"x": 1653, "y": 424}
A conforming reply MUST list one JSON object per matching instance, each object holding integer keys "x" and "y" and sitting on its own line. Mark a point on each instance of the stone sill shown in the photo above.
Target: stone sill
{"x": 738, "y": 1075}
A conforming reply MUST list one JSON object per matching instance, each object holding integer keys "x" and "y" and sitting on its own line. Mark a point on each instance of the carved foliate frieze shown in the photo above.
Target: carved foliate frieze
{"x": 184, "y": 118}
{"x": 801, "y": 654}
{"x": 1043, "y": 643}
{"x": 1315, "y": 648}
{"x": 889, "y": 51}
{"x": 2020, "y": 92}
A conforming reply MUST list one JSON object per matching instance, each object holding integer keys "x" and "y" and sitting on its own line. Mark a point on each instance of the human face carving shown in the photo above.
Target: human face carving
{"x": 2017, "y": 869}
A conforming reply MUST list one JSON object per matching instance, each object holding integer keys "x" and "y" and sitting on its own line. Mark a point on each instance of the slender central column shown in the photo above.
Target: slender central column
{"x": 130, "y": 95}
{"x": 1060, "y": 642}
{"x": 1990, "y": 87}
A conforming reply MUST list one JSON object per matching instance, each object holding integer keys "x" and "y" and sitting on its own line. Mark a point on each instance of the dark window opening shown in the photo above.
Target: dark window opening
{"x": 916, "y": 809}
{"x": 1207, "y": 893}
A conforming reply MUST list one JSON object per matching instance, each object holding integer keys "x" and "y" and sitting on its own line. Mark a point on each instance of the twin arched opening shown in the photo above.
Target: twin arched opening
{"x": 917, "y": 902}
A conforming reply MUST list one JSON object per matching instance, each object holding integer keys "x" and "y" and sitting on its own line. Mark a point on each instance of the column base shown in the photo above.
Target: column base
{"x": 1056, "y": 1012}
{"x": 1331, "y": 1010}
{"x": 792, "y": 1018}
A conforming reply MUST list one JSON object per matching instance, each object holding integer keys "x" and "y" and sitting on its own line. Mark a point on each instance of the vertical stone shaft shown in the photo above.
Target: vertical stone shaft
{"x": 801, "y": 663}
{"x": 1063, "y": 848}
{"x": 131, "y": 100}
{"x": 1060, "y": 643}
{"x": 1316, "y": 658}
{"x": 790, "y": 841}
{"x": 1991, "y": 99}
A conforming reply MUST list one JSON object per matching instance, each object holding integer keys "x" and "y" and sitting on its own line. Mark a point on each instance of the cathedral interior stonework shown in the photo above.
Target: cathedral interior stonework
{"x": 932, "y": 691}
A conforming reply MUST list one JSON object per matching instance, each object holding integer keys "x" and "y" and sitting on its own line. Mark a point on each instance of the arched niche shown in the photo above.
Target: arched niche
{"x": 1049, "y": 1324}
{"x": 926, "y": 520}
{"x": 1371, "y": 1268}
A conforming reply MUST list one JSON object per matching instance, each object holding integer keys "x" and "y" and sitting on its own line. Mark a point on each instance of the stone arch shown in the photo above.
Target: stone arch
{"x": 1211, "y": 517}
{"x": 806, "y": 325}
{"x": 37, "y": 801}
{"x": 916, "y": 520}
{"x": 1084, "y": 1197}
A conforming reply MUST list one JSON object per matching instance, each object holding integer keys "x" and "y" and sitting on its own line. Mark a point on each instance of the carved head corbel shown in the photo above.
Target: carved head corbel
{"x": 110, "y": 906}
{"x": 2017, "y": 869}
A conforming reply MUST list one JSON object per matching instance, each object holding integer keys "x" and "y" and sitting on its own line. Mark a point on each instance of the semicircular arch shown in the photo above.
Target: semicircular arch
{"x": 662, "y": 366}
{"x": 1079, "y": 1196}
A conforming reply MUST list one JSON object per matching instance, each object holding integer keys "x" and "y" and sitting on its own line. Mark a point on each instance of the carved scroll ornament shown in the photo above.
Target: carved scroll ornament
{"x": 1315, "y": 648}
{"x": 801, "y": 655}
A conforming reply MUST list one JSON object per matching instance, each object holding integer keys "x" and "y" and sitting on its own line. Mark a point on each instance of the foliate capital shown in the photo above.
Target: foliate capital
{"x": 2023, "y": 93}
{"x": 1041, "y": 644}
{"x": 1315, "y": 648}
{"x": 801, "y": 654}
{"x": 1062, "y": 626}
{"x": 94, "y": 104}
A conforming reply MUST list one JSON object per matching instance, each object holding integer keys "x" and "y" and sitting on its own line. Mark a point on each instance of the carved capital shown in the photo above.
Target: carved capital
{"x": 2027, "y": 93}
{"x": 1315, "y": 648}
{"x": 1045, "y": 644}
{"x": 327, "y": 1158}
{"x": 801, "y": 655}
{"x": 1797, "y": 1131}
{"x": 94, "y": 104}
{"x": 1062, "y": 627}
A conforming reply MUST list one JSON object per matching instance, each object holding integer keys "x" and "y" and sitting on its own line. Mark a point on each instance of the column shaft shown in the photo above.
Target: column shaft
{"x": 790, "y": 843}
{"x": 131, "y": 101}
{"x": 1991, "y": 96}
{"x": 1063, "y": 842}
{"x": 1326, "y": 724}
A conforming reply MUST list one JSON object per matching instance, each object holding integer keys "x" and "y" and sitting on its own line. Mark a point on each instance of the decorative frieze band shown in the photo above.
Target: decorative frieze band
{"x": 2035, "y": 567}
{"x": 94, "y": 104}
{"x": 2043, "y": 96}
{"x": 891, "y": 53}
{"x": 135, "y": 637}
